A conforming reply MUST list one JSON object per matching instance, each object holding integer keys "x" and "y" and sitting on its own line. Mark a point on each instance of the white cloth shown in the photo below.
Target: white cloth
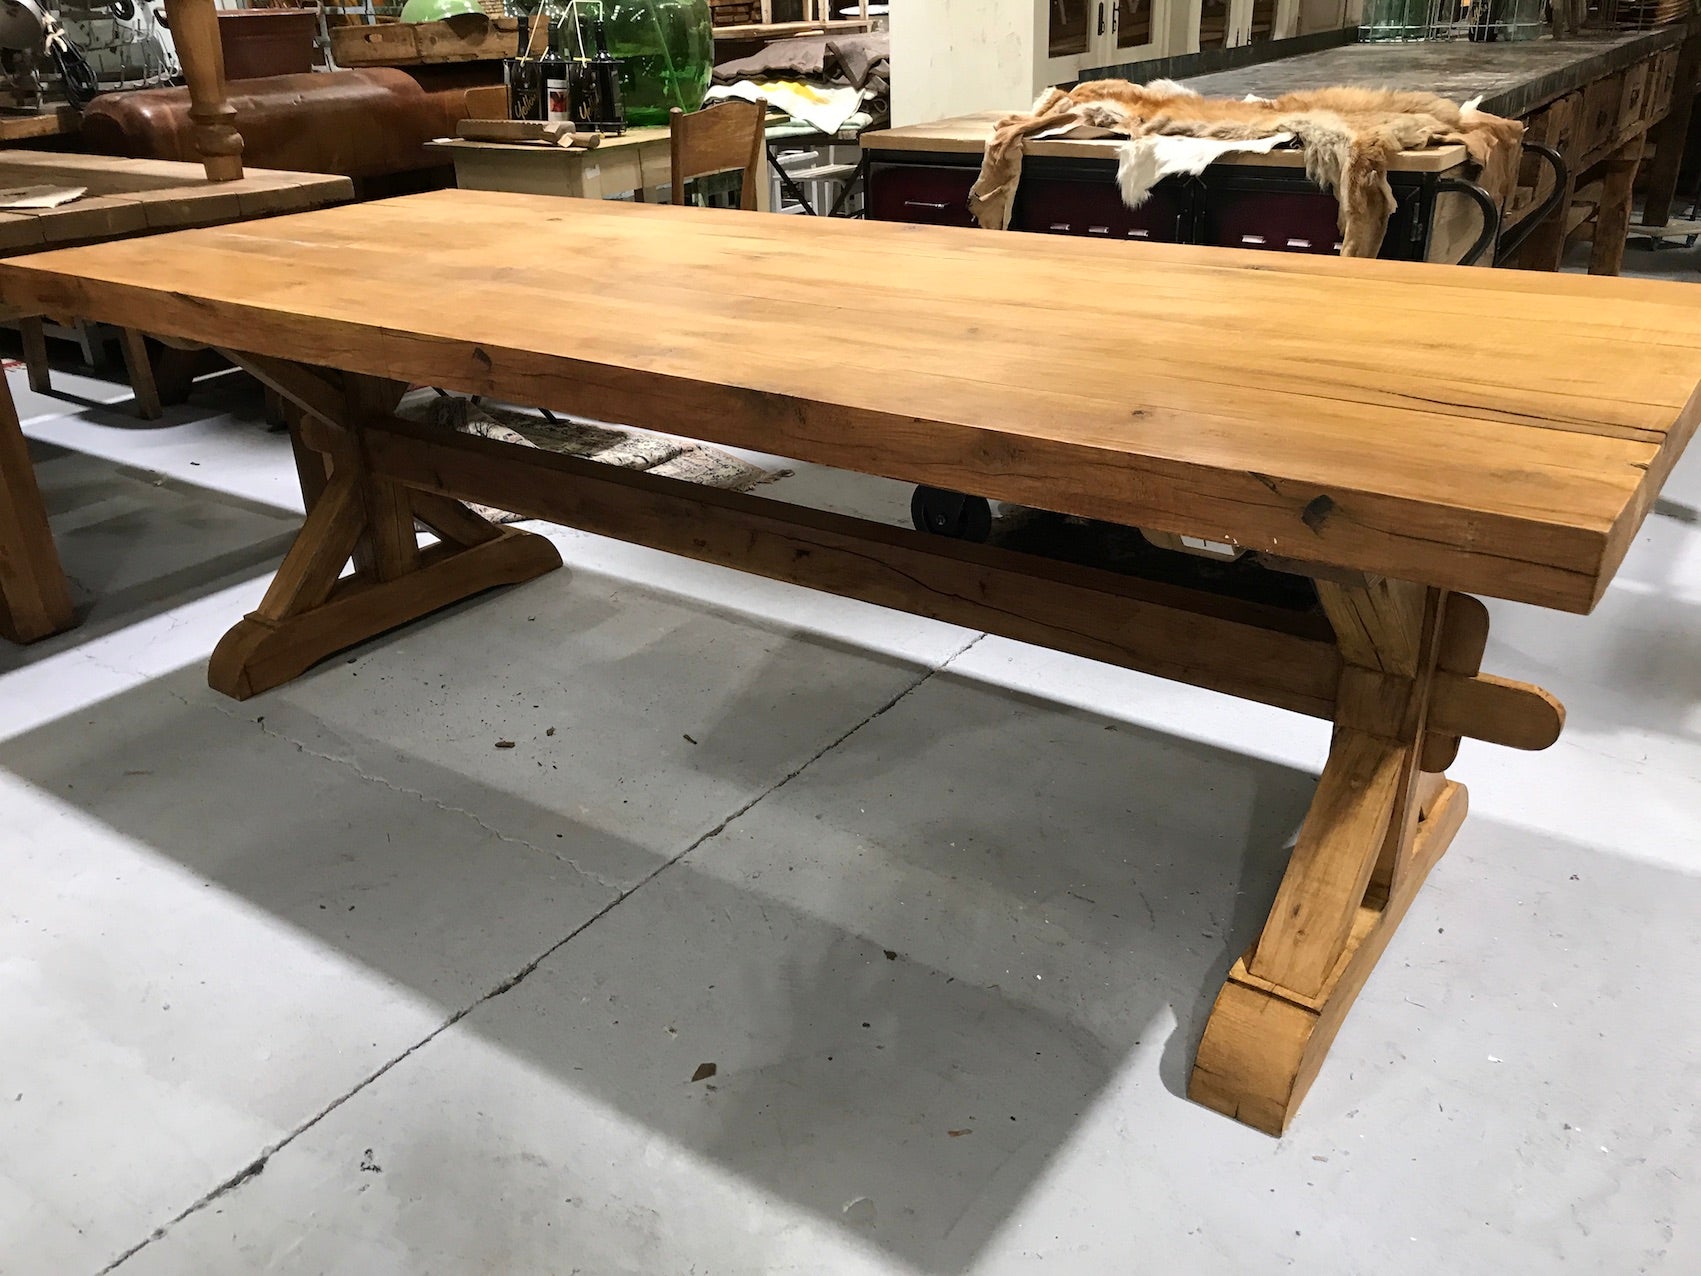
{"x": 1145, "y": 161}
{"x": 822, "y": 108}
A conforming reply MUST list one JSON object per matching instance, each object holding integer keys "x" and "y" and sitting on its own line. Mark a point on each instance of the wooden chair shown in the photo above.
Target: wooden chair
{"x": 725, "y": 138}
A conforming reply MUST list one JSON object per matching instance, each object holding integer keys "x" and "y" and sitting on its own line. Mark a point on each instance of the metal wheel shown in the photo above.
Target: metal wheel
{"x": 964, "y": 518}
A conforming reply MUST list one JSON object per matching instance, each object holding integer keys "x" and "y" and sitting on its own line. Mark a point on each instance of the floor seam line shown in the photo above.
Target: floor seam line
{"x": 257, "y": 1166}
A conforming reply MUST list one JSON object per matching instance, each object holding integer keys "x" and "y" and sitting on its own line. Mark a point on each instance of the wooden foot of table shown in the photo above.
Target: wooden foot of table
{"x": 312, "y": 610}
{"x": 1378, "y": 824}
{"x": 1263, "y": 1046}
{"x": 35, "y": 599}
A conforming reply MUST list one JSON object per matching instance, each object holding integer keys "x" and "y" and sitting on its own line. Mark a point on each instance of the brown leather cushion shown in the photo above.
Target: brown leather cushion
{"x": 361, "y": 123}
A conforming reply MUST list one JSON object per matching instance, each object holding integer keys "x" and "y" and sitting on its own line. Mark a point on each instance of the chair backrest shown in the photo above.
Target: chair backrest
{"x": 724, "y": 138}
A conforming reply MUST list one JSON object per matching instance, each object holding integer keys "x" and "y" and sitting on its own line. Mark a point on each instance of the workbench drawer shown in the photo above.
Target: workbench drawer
{"x": 1633, "y": 106}
{"x": 1094, "y": 210}
{"x": 922, "y": 194}
{"x": 1599, "y": 122}
{"x": 1662, "y": 77}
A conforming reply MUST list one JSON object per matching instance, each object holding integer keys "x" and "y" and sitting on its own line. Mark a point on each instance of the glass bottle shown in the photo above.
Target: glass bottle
{"x": 666, "y": 51}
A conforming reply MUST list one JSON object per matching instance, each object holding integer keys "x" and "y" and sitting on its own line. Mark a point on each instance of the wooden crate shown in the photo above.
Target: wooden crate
{"x": 732, "y": 13}
{"x": 470, "y": 38}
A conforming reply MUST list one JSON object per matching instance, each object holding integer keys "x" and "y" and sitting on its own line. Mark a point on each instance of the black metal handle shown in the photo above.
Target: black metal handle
{"x": 1514, "y": 240}
{"x": 1101, "y": 17}
{"x": 1490, "y": 216}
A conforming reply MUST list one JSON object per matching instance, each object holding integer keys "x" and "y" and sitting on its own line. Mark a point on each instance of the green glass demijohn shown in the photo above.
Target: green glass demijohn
{"x": 666, "y": 50}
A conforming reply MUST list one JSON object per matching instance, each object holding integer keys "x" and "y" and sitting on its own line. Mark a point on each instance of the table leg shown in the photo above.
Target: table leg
{"x": 1670, "y": 134}
{"x": 1377, "y": 826}
{"x": 1612, "y": 222}
{"x": 195, "y": 31}
{"x": 35, "y": 354}
{"x": 311, "y": 610}
{"x": 141, "y": 372}
{"x": 35, "y": 599}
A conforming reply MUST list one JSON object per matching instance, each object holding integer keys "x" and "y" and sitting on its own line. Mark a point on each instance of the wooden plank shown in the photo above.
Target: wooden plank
{"x": 19, "y": 231}
{"x": 55, "y": 121}
{"x": 1510, "y": 477}
{"x": 92, "y": 217}
{"x": 555, "y": 132}
{"x": 786, "y": 30}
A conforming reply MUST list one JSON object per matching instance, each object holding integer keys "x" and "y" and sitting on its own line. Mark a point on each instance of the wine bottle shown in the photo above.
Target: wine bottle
{"x": 605, "y": 70}
{"x": 557, "y": 78}
{"x": 526, "y": 98}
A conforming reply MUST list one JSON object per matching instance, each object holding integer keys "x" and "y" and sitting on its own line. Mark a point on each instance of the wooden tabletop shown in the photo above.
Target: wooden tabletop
{"x": 135, "y": 196}
{"x": 968, "y": 134}
{"x": 1498, "y": 432}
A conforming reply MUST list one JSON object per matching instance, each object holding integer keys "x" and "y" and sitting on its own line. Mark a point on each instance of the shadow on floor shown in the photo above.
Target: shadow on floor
{"x": 135, "y": 543}
{"x": 948, "y": 955}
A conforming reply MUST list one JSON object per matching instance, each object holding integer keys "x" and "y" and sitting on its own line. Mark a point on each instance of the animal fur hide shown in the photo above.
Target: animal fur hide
{"x": 1348, "y": 136}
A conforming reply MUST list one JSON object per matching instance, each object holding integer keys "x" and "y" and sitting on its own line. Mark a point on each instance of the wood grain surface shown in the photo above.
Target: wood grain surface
{"x": 1493, "y": 432}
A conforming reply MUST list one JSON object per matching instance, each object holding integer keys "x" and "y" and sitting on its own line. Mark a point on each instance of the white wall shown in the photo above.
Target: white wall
{"x": 951, "y": 57}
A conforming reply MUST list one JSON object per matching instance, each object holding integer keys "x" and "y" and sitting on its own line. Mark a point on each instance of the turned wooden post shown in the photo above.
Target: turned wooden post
{"x": 195, "y": 29}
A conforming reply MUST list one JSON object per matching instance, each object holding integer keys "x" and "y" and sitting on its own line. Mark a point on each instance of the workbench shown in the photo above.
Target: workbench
{"x": 1335, "y": 414}
{"x": 1594, "y": 99}
{"x": 126, "y": 198}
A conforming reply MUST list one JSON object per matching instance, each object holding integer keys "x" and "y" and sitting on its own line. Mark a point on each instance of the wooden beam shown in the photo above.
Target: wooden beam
{"x": 1258, "y": 653}
{"x": 1270, "y": 655}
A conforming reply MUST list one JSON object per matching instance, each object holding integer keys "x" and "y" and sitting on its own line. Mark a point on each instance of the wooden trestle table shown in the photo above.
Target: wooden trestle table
{"x": 1416, "y": 434}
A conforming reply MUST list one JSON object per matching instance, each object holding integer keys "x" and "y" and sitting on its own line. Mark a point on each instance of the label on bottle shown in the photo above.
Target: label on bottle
{"x": 560, "y": 98}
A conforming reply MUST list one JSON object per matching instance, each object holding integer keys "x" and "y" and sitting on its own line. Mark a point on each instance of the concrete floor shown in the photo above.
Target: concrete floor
{"x": 325, "y": 982}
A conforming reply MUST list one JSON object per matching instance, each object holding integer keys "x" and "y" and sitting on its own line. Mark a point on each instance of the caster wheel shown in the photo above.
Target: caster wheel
{"x": 964, "y": 518}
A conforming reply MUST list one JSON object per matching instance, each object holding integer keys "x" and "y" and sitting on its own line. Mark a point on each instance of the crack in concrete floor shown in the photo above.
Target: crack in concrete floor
{"x": 257, "y": 1166}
